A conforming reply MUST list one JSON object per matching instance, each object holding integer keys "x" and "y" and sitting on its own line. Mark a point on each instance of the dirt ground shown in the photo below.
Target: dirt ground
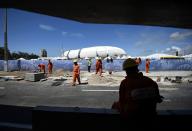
{"x": 106, "y": 80}
{"x": 57, "y": 90}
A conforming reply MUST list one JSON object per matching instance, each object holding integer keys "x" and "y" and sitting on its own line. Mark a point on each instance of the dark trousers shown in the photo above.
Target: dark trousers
{"x": 89, "y": 68}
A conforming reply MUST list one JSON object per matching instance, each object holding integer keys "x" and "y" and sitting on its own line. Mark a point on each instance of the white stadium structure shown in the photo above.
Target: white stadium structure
{"x": 159, "y": 56}
{"x": 96, "y": 51}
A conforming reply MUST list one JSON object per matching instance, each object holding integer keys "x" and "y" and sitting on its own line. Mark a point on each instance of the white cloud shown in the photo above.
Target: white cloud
{"x": 150, "y": 39}
{"x": 180, "y": 35}
{"x": 168, "y": 49}
{"x": 64, "y": 33}
{"x": 77, "y": 35}
{"x": 162, "y": 51}
{"x": 172, "y": 50}
{"x": 187, "y": 49}
{"x": 47, "y": 27}
{"x": 174, "y": 35}
{"x": 121, "y": 35}
{"x": 176, "y": 48}
{"x": 139, "y": 43}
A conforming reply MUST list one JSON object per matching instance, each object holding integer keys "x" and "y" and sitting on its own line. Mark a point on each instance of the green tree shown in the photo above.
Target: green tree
{"x": 17, "y": 55}
{"x": 24, "y": 55}
{"x": 2, "y": 54}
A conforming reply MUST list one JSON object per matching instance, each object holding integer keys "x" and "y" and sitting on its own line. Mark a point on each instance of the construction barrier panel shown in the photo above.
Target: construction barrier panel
{"x": 116, "y": 65}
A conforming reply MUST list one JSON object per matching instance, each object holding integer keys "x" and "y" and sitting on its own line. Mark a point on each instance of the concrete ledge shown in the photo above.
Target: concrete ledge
{"x": 56, "y": 118}
{"x": 62, "y": 118}
{"x": 4, "y": 126}
{"x": 15, "y": 118}
{"x": 34, "y": 76}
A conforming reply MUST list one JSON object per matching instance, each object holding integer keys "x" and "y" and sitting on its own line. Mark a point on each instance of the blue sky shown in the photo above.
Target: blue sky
{"x": 30, "y": 32}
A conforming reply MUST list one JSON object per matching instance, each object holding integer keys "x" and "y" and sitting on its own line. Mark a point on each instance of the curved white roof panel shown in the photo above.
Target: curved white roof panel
{"x": 101, "y": 51}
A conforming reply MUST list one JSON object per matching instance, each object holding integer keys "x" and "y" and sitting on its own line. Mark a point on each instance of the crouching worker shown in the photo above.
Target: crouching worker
{"x": 42, "y": 68}
{"x": 138, "y": 94}
{"x": 76, "y": 73}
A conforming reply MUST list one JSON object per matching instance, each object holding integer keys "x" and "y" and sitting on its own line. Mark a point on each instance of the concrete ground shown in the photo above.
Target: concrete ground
{"x": 95, "y": 95}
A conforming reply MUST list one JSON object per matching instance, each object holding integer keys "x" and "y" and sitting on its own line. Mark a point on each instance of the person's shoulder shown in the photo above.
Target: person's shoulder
{"x": 145, "y": 78}
{"x": 123, "y": 81}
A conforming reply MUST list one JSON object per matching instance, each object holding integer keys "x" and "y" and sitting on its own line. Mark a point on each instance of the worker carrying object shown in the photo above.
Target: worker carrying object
{"x": 138, "y": 94}
{"x": 41, "y": 68}
{"x": 50, "y": 67}
{"x": 147, "y": 65}
{"x": 76, "y": 73}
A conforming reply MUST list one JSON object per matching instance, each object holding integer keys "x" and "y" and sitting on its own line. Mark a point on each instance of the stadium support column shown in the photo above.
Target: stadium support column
{"x": 5, "y": 43}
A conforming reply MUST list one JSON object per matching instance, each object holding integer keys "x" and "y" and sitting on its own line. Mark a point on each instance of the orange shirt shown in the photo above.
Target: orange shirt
{"x": 147, "y": 63}
{"x": 76, "y": 69}
{"x": 50, "y": 65}
{"x": 98, "y": 64}
{"x": 42, "y": 67}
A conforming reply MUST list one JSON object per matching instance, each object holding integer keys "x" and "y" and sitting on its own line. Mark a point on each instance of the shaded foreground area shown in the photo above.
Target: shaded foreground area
{"x": 61, "y": 118}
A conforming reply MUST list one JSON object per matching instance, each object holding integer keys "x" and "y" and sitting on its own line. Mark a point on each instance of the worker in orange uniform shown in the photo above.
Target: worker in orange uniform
{"x": 42, "y": 68}
{"x": 138, "y": 94}
{"x": 76, "y": 73}
{"x": 147, "y": 65}
{"x": 138, "y": 61}
{"x": 99, "y": 66}
{"x": 50, "y": 67}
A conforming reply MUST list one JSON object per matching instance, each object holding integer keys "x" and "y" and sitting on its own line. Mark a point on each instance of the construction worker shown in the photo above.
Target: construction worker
{"x": 147, "y": 65}
{"x": 19, "y": 65}
{"x": 138, "y": 61}
{"x": 108, "y": 58}
{"x": 111, "y": 60}
{"x": 138, "y": 94}
{"x": 42, "y": 68}
{"x": 50, "y": 67}
{"x": 76, "y": 73}
{"x": 110, "y": 66}
{"x": 89, "y": 62}
{"x": 99, "y": 66}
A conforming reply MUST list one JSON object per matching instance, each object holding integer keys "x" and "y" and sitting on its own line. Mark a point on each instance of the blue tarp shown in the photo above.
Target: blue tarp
{"x": 32, "y": 65}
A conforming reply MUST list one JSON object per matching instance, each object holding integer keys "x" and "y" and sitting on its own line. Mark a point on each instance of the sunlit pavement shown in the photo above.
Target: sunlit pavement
{"x": 22, "y": 93}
